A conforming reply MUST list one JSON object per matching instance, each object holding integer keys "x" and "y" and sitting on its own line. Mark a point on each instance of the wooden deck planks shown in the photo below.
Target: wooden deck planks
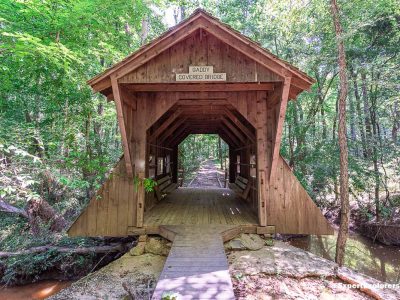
{"x": 196, "y": 268}
{"x": 196, "y": 206}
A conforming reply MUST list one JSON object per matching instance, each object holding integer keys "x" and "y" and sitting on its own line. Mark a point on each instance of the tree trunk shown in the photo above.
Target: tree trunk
{"x": 344, "y": 176}
{"x": 8, "y": 208}
{"x": 353, "y": 126}
{"x": 145, "y": 30}
{"x": 79, "y": 250}
{"x": 220, "y": 152}
{"x": 374, "y": 142}
{"x": 97, "y": 129}
{"x": 368, "y": 134}
{"x": 359, "y": 113}
{"x": 396, "y": 121}
{"x": 334, "y": 128}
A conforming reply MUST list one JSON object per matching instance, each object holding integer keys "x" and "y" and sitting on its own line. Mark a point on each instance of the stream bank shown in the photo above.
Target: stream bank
{"x": 379, "y": 261}
{"x": 278, "y": 271}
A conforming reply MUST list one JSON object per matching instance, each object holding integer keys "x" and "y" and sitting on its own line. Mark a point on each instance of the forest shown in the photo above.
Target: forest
{"x": 59, "y": 140}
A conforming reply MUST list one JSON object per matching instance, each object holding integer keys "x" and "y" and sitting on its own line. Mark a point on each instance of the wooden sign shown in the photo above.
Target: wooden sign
{"x": 201, "y": 73}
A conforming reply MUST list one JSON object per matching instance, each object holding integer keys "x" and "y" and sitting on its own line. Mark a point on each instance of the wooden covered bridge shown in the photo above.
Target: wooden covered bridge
{"x": 201, "y": 77}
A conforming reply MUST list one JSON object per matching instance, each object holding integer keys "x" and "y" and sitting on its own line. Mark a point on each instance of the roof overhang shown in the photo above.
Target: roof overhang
{"x": 200, "y": 19}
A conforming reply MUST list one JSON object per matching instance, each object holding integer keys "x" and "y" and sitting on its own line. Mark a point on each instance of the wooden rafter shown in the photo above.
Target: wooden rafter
{"x": 239, "y": 124}
{"x": 121, "y": 123}
{"x": 170, "y": 130}
{"x": 234, "y": 130}
{"x": 165, "y": 124}
{"x": 177, "y": 135}
{"x": 228, "y": 137}
{"x": 276, "y": 145}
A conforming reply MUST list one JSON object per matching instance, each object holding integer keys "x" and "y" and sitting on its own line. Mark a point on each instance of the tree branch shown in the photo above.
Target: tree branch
{"x": 8, "y": 208}
{"x": 80, "y": 250}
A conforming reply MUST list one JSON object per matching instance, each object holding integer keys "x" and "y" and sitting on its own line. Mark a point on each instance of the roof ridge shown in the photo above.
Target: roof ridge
{"x": 200, "y": 12}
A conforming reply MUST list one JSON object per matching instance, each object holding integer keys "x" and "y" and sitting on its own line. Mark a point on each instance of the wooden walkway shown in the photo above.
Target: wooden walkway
{"x": 197, "y": 267}
{"x": 202, "y": 206}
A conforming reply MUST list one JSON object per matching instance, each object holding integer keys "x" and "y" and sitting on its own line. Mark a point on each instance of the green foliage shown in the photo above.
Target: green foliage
{"x": 199, "y": 147}
{"x": 149, "y": 184}
{"x": 170, "y": 295}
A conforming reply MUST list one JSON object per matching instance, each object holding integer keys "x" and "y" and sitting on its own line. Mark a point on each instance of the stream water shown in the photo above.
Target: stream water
{"x": 376, "y": 260}
{"x": 33, "y": 291}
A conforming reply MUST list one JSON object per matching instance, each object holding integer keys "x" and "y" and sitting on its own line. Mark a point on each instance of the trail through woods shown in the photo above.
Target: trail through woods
{"x": 207, "y": 176}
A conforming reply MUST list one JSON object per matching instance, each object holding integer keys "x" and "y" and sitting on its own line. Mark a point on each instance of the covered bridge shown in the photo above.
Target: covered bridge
{"x": 201, "y": 76}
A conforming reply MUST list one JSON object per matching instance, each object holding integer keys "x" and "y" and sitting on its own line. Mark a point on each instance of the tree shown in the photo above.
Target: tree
{"x": 344, "y": 173}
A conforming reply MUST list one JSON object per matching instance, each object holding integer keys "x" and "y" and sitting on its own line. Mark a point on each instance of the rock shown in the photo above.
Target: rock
{"x": 248, "y": 241}
{"x": 140, "y": 273}
{"x": 157, "y": 246}
{"x": 138, "y": 250}
{"x": 235, "y": 245}
{"x": 280, "y": 259}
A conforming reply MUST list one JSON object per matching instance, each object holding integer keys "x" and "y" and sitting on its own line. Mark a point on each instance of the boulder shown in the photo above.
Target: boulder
{"x": 138, "y": 249}
{"x": 157, "y": 246}
{"x": 246, "y": 241}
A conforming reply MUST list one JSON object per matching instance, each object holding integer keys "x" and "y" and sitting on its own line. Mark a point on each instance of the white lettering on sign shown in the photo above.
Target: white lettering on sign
{"x": 201, "y": 73}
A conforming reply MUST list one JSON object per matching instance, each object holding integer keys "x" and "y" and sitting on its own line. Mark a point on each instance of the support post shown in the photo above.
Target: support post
{"x": 276, "y": 144}
{"x": 121, "y": 123}
{"x": 262, "y": 157}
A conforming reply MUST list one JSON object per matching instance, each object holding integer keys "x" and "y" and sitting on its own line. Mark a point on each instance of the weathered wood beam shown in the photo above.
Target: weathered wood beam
{"x": 239, "y": 124}
{"x": 235, "y": 141}
{"x": 199, "y": 87}
{"x": 226, "y": 138}
{"x": 234, "y": 130}
{"x": 165, "y": 124}
{"x": 202, "y": 102}
{"x": 202, "y": 96}
{"x": 188, "y": 112}
{"x": 121, "y": 123}
{"x": 276, "y": 145}
{"x": 170, "y": 130}
{"x": 177, "y": 134}
{"x": 102, "y": 84}
{"x": 297, "y": 82}
{"x": 263, "y": 157}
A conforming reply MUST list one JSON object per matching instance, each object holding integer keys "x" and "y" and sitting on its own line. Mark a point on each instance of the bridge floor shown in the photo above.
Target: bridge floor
{"x": 201, "y": 206}
{"x": 197, "y": 267}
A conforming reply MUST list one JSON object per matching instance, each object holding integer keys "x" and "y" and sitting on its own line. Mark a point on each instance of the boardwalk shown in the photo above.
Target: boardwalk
{"x": 197, "y": 267}
{"x": 201, "y": 206}
{"x": 207, "y": 176}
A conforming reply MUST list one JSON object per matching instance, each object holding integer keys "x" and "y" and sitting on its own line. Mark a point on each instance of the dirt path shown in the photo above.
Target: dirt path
{"x": 207, "y": 176}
